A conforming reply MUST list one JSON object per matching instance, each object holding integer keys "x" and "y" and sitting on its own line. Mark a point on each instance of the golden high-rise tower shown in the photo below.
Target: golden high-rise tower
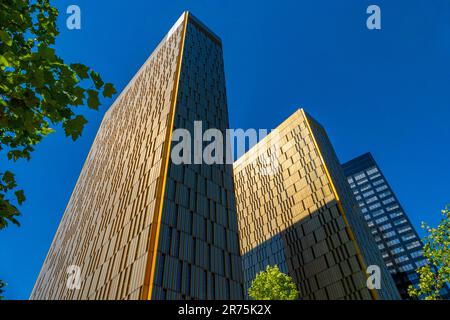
{"x": 137, "y": 226}
{"x": 297, "y": 211}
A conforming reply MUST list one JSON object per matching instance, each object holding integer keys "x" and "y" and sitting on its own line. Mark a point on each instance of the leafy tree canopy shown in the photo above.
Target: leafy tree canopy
{"x": 2, "y": 290}
{"x": 38, "y": 89}
{"x": 272, "y": 284}
{"x": 436, "y": 250}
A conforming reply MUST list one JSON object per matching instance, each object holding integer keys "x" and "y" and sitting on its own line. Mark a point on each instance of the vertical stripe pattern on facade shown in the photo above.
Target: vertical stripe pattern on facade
{"x": 293, "y": 218}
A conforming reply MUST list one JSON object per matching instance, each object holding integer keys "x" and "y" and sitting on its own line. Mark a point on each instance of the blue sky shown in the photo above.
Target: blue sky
{"x": 385, "y": 91}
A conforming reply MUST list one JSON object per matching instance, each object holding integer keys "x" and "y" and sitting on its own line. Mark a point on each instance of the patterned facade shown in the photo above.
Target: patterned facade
{"x": 137, "y": 225}
{"x": 302, "y": 216}
{"x": 394, "y": 234}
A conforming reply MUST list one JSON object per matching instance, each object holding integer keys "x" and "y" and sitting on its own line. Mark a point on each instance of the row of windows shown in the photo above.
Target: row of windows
{"x": 397, "y": 251}
{"x": 381, "y": 188}
{"x": 401, "y": 259}
{"x": 377, "y": 202}
{"x": 408, "y": 237}
{"x": 407, "y": 267}
{"x": 404, "y": 229}
{"x": 413, "y": 245}
{"x": 378, "y": 182}
{"x": 360, "y": 176}
{"x": 379, "y": 212}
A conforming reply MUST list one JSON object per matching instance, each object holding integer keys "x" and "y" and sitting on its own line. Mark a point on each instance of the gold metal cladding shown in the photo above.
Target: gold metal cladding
{"x": 373, "y": 292}
{"x": 157, "y": 217}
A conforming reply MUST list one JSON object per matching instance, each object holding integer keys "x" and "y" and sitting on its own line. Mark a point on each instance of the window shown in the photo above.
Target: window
{"x": 350, "y": 180}
{"x": 385, "y": 227}
{"x": 372, "y": 171}
{"x": 389, "y": 200}
{"x": 408, "y": 267}
{"x": 396, "y": 214}
{"x": 399, "y": 222}
{"x": 404, "y": 229}
{"x": 370, "y": 200}
{"x": 392, "y": 208}
{"x": 381, "y": 220}
{"x": 360, "y": 176}
{"x": 416, "y": 254}
{"x": 397, "y": 251}
{"x": 408, "y": 237}
{"x": 381, "y": 246}
{"x": 413, "y": 245}
{"x": 378, "y": 182}
{"x": 385, "y": 194}
{"x": 367, "y": 217}
{"x": 377, "y": 213}
{"x": 375, "y": 176}
{"x": 370, "y": 224}
{"x": 364, "y": 210}
{"x": 375, "y": 206}
{"x": 382, "y": 188}
{"x": 393, "y": 242}
{"x": 368, "y": 194}
{"x": 362, "y": 182}
{"x": 358, "y": 198}
{"x": 365, "y": 188}
{"x": 421, "y": 263}
{"x": 401, "y": 259}
{"x": 389, "y": 234}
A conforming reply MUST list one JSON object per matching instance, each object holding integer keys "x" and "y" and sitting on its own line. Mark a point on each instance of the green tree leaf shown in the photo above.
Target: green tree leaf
{"x": 435, "y": 275}
{"x": 93, "y": 101}
{"x": 272, "y": 284}
{"x": 109, "y": 90}
{"x": 98, "y": 82}
{"x": 74, "y": 127}
{"x": 4, "y": 62}
{"x": 81, "y": 70}
{"x": 2, "y": 289}
{"x": 5, "y": 38}
{"x": 38, "y": 89}
{"x": 20, "y": 196}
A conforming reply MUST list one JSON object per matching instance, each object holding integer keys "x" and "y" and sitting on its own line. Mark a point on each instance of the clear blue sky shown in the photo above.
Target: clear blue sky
{"x": 385, "y": 91}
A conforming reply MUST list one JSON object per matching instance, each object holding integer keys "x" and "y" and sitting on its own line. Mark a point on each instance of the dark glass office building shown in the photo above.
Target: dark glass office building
{"x": 396, "y": 237}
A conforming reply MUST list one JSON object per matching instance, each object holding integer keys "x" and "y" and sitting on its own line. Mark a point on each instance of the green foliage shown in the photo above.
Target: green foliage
{"x": 37, "y": 88}
{"x": 8, "y": 211}
{"x": 272, "y": 284}
{"x": 2, "y": 289}
{"x": 436, "y": 250}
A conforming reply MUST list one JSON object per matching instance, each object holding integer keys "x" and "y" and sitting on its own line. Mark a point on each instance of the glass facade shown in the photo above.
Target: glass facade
{"x": 394, "y": 234}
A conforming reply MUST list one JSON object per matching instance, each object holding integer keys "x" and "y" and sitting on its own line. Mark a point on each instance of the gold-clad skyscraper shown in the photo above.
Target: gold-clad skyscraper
{"x": 301, "y": 216}
{"x": 138, "y": 226}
